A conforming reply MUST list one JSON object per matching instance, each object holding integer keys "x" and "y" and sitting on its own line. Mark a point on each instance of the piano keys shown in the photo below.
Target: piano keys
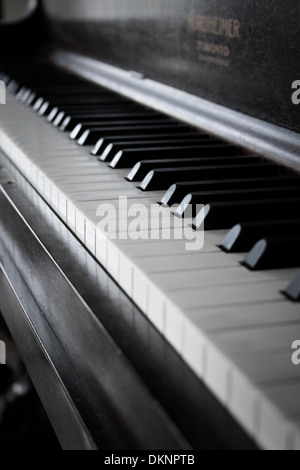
{"x": 179, "y": 291}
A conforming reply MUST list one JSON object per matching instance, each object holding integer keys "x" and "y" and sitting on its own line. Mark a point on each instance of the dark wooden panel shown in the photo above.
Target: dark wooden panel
{"x": 247, "y": 62}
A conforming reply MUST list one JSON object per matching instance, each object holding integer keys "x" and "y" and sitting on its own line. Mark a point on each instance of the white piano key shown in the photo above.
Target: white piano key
{"x": 101, "y": 248}
{"x": 61, "y": 155}
{"x": 276, "y": 429}
{"x": 194, "y": 348}
{"x": 98, "y": 188}
{"x": 62, "y": 206}
{"x": 80, "y": 226}
{"x": 55, "y": 198}
{"x": 256, "y": 341}
{"x": 71, "y": 215}
{"x": 271, "y": 368}
{"x": 47, "y": 189}
{"x": 91, "y": 187}
{"x": 74, "y": 171}
{"x": 90, "y": 237}
{"x": 67, "y": 179}
{"x": 212, "y": 236}
{"x": 211, "y": 277}
{"x": 63, "y": 165}
{"x": 100, "y": 196}
{"x": 244, "y": 402}
{"x": 218, "y": 373}
{"x": 228, "y": 294}
{"x": 157, "y": 248}
{"x": 232, "y": 317}
{"x": 188, "y": 260}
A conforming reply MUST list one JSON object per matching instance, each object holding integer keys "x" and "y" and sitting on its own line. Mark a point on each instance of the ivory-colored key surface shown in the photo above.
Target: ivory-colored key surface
{"x": 232, "y": 326}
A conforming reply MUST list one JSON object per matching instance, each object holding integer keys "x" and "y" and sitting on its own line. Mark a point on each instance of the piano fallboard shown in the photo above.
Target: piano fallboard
{"x": 241, "y": 54}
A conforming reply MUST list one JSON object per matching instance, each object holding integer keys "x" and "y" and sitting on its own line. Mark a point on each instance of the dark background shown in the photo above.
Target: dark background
{"x": 24, "y": 424}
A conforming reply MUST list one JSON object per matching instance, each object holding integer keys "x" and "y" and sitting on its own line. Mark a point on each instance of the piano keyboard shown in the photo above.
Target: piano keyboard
{"x": 230, "y": 309}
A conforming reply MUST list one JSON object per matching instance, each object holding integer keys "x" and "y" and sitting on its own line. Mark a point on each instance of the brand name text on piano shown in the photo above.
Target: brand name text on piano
{"x": 227, "y": 27}
{"x": 127, "y": 221}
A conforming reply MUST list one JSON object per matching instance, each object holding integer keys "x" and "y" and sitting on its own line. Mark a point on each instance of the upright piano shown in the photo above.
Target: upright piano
{"x": 149, "y": 219}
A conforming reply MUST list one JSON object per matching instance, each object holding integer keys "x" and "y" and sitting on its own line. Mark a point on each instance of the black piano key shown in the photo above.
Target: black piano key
{"x": 73, "y": 109}
{"x": 13, "y": 86}
{"x": 179, "y": 190}
{"x": 55, "y": 116}
{"x": 91, "y": 137}
{"x": 274, "y": 253}
{"x": 64, "y": 95}
{"x": 58, "y": 82}
{"x": 38, "y": 103}
{"x": 187, "y": 207}
{"x": 141, "y": 169}
{"x": 224, "y": 215}
{"x": 80, "y": 129}
{"x": 67, "y": 121}
{"x": 113, "y": 149}
{"x": 23, "y": 91}
{"x": 104, "y": 142}
{"x": 46, "y": 107}
{"x": 243, "y": 236}
{"x": 129, "y": 157}
{"x": 61, "y": 91}
{"x": 31, "y": 99}
{"x": 5, "y": 78}
{"x": 293, "y": 289}
{"x": 80, "y": 100}
{"x": 63, "y": 118}
{"x": 24, "y": 96}
{"x": 104, "y": 116}
{"x": 87, "y": 107}
{"x": 161, "y": 179}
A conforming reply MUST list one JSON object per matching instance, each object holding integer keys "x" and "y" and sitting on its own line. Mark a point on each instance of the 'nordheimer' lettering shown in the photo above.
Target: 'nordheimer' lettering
{"x": 217, "y": 26}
